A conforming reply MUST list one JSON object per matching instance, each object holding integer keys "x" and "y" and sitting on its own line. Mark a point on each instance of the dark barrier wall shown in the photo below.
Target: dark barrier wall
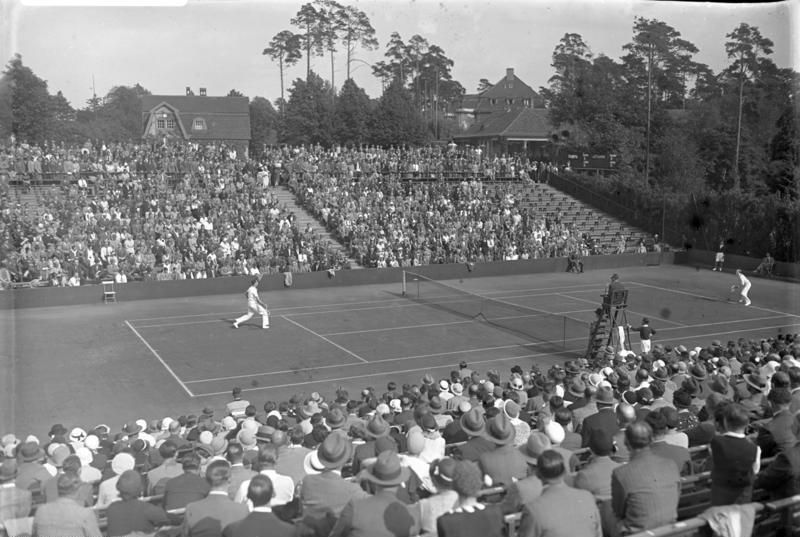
{"x": 64, "y": 296}
{"x": 705, "y": 258}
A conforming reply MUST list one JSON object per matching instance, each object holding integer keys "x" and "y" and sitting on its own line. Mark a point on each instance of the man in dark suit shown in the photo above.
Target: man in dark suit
{"x": 505, "y": 463}
{"x": 474, "y": 425}
{"x": 14, "y": 501}
{"x": 376, "y": 428}
{"x": 157, "y": 477}
{"x": 560, "y": 510}
{"x": 776, "y": 435}
{"x": 380, "y": 515}
{"x": 187, "y": 487}
{"x": 207, "y": 517}
{"x": 260, "y": 521}
{"x": 603, "y": 419}
{"x": 596, "y": 476}
{"x": 677, "y": 454}
{"x": 239, "y": 474}
{"x": 644, "y": 492}
{"x": 325, "y": 494}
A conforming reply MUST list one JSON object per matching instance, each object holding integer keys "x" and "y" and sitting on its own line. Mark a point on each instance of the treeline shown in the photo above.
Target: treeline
{"x": 674, "y": 122}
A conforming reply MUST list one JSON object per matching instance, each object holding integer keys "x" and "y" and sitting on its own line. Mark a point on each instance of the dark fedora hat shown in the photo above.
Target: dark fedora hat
{"x": 387, "y": 470}
{"x": 377, "y": 427}
{"x": 698, "y": 372}
{"x": 756, "y": 381}
{"x": 473, "y": 423}
{"x": 537, "y": 443}
{"x": 336, "y": 418}
{"x": 500, "y": 430}
{"x": 334, "y": 451}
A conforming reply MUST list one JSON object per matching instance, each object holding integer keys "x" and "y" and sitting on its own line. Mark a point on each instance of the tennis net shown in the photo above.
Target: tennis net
{"x": 560, "y": 331}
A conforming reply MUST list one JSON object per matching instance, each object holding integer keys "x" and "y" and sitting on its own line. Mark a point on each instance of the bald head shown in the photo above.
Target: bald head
{"x": 638, "y": 435}
{"x": 626, "y": 414}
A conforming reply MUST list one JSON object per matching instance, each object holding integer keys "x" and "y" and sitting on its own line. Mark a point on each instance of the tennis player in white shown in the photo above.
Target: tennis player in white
{"x": 254, "y": 306}
{"x": 743, "y": 287}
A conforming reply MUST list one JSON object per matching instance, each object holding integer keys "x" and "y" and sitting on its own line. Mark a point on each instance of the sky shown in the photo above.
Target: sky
{"x": 218, "y": 44}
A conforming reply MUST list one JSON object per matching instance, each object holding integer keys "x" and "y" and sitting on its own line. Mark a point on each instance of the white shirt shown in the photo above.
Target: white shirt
{"x": 252, "y": 296}
{"x": 743, "y": 279}
{"x": 283, "y": 485}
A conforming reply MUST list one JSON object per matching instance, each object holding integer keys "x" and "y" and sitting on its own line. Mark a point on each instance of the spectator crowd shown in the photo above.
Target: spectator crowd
{"x": 178, "y": 210}
{"x": 571, "y": 450}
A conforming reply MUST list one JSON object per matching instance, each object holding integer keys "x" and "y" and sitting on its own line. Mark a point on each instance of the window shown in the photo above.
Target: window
{"x": 493, "y": 101}
{"x": 160, "y": 123}
{"x": 509, "y": 101}
{"x": 526, "y": 102}
{"x": 199, "y": 124}
{"x": 509, "y": 85}
{"x": 170, "y": 123}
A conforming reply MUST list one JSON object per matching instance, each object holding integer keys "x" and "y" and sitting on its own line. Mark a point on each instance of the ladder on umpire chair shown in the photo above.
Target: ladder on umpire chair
{"x": 612, "y": 318}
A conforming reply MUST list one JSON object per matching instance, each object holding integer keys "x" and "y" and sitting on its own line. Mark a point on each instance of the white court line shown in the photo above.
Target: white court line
{"x": 538, "y": 313}
{"x": 339, "y": 379}
{"x": 393, "y": 372}
{"x": 695, "y": 295}
{"x": 642, "y": 314}
{"x": 351, "y": 353}
{"x": 398, "y": 359}
{"x": 155, "y": 353}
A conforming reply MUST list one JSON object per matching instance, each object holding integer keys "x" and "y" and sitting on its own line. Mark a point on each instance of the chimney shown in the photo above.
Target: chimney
{"x": 188, "y": 90}
{"x": 510, "y": 74}
{"x": 202, "y": 92}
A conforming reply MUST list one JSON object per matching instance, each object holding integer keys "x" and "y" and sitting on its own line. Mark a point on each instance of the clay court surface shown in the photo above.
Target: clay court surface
{"x": 84, "y": 365}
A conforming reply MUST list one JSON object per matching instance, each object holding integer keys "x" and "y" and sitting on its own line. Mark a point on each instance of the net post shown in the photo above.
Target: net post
{"x": 404, "y": 283}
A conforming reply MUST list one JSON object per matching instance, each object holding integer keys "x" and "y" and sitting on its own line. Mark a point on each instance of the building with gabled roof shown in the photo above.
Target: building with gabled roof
{"x": 508, "y": 117}
{"x": 526, "y": 130}
{"x": 198, "y": 118}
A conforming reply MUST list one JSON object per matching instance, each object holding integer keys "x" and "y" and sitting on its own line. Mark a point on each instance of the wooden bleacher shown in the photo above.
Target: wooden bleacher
{"x": 544, "y": 199}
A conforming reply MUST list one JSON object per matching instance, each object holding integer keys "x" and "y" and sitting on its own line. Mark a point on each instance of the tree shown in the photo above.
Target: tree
{"x": 395, "y": 68}
{"x": 309, "y": 19}
{"x": 353, "y": 112}
{"x": 571, "y": 61}
{"x": 122, "y": 108}
{"x": 658, "y": 50}
{"x": 263, "y": 125}
{"x": 284, "y": 49}
{"x": 309, "y": 113}
{"x": 31, "y": 114}
{"x": 745, "y": 48}
{"x": 396, "y": 120}
{"x": 235, "y": 93}
{"x": 356, "y": 30}
{"x": 330, "y": 26}
{"x": 60, "y": 108}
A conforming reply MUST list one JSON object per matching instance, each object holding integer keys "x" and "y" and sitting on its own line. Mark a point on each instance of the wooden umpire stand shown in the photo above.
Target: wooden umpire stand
{"x": 605, "y": 330}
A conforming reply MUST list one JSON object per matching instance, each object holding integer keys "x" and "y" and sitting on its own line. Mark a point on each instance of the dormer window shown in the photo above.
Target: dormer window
{"x": 160, "y": 123}
{"x": 199, "y": 124}
{"x": 170, "y": 123}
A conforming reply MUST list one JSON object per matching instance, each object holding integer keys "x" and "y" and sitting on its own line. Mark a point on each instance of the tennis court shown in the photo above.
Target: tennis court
{"x": 110, "y": 363}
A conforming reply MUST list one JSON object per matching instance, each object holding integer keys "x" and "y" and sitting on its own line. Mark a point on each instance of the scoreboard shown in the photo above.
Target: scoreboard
{"x": 591, "y": 161}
